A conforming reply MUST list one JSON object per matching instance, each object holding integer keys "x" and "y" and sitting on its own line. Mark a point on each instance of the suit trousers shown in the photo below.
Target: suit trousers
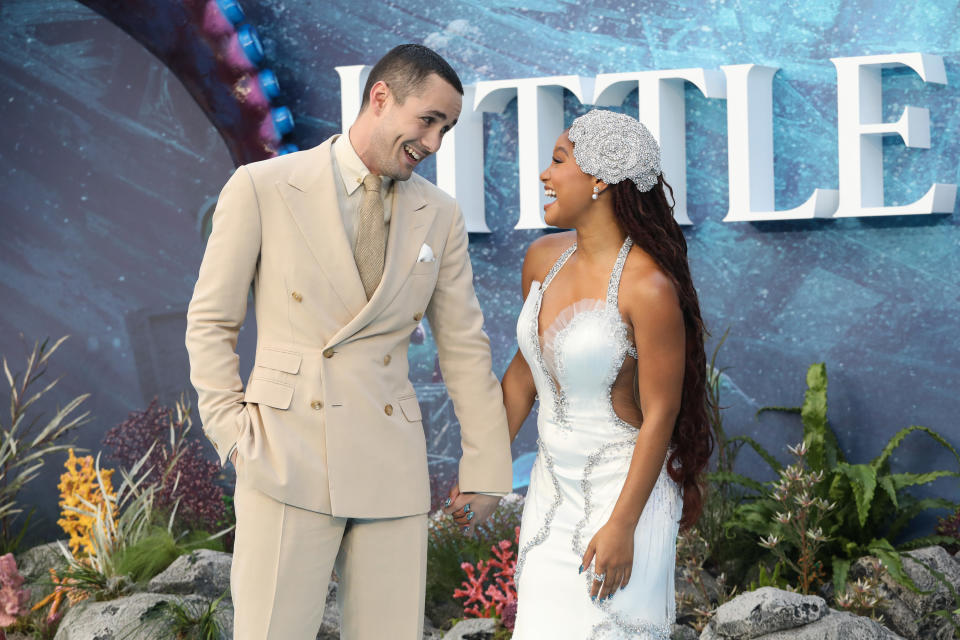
{"x": 282, "y": 562}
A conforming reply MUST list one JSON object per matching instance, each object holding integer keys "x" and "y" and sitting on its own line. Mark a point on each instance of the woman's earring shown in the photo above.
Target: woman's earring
{"x": 596, "y": 192}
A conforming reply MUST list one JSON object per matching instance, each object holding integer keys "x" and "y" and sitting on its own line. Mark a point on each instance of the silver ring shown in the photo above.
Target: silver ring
{"x": 599, "y": 577}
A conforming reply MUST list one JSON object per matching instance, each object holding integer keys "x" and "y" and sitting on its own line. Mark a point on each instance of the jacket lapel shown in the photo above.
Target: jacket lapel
{"x": 311, "y": 196}
{"x": 410, "y": 221}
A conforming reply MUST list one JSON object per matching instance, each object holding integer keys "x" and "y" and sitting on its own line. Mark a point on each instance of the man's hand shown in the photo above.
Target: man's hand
{"x": 469, "y": 509}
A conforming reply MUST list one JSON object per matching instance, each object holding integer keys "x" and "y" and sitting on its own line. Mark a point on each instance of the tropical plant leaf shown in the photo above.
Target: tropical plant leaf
{"x": 901, "y": 480}
{"x": 898, "y": 437}
{"x": 886, "y": 483}
{"x": 720, "y": 477}
{"x": 814, "y": 409}
{"x": 823, "y": 449}
{"x": 927, "y": 541}
{"x": 863, "y": 482}
{"x": 778, "y": 410}
{"x": 910, "y": 511}
{"x": 892, "y": 561}
{"x": 841, "y": 569}
{"x": 763, "y": 453}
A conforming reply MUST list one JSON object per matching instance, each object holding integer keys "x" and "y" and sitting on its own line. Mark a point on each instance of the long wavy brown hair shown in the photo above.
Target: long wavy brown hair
{"x": 648, "y": 219}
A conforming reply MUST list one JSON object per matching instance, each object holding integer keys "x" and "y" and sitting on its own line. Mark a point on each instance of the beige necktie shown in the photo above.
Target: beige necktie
{"x": 371, "y": 235}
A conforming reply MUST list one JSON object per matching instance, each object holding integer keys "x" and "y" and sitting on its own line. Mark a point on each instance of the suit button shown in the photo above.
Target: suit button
{"x": 316, "y": 404}
{"x": 386, "y": 359}
{"x": 417, "y": 316}
{"x": 296, "y": 296}
{"x": 388, "y": 410}
{"x": 328, "y": 353}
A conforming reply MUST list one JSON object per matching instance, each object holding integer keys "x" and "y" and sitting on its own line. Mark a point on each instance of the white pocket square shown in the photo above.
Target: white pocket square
{"x": 426, "y": 254}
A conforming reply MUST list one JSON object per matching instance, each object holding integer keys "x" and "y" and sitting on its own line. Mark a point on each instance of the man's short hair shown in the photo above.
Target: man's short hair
{"x": 405, "y": 68}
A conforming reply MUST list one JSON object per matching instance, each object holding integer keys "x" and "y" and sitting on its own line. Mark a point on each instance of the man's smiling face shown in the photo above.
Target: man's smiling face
{"x": 407, "y": 132}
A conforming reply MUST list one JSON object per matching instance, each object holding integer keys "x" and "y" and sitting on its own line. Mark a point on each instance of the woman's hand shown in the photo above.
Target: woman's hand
{"x": 611, "y": 551}
{"x": 469, "y": 510}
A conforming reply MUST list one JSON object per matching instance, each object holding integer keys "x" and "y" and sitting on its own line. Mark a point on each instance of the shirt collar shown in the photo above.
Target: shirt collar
{"x": 352, "y": 169}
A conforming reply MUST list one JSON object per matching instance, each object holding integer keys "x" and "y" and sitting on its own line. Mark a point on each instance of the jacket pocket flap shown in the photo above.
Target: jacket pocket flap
{"x": 286, "y": 361}
{"x": 410, "y": 408}
{"x": 269, "y": 392}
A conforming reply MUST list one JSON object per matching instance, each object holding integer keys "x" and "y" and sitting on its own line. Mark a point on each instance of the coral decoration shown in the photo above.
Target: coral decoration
{"x": 13, "y": 598}
{"x": 179, "y": 466}
{"x": 489, "y": 586}
{"x": 78, "y": 487}
{"x": 63, "y": 587}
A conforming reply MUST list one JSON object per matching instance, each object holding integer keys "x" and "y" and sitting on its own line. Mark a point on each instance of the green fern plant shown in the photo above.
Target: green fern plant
{"x": 873, "y": 504}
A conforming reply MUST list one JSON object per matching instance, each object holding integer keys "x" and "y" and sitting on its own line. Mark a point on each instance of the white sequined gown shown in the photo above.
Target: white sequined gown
{"x": 584, "y": 454}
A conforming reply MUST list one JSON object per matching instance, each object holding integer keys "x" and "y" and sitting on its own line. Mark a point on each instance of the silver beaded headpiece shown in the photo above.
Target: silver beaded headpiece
{"x": 613, "y": 147}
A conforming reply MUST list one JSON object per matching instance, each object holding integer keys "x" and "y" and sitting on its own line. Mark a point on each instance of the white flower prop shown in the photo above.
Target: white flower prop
{"x": 614, "y": 147}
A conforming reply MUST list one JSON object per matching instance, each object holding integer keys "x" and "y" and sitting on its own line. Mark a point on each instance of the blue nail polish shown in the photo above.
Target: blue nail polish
{"x": 470, "y": 516}
{"x": 446, "y": 502}
{"x": 593, "y": 598}
{"x": 466, "y": 508}
{"x": 466, "y": 528}
{"x": 580, "y": 570}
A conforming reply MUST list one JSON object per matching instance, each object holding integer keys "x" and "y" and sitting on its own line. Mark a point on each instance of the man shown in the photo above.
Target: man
{"x": 347, "y": 249}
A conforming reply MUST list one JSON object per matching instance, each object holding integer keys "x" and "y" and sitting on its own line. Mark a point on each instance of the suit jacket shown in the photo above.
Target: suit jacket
{"x": 328, "y": 420}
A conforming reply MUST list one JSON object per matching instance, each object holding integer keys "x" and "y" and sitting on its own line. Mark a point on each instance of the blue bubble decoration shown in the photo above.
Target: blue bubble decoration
{"x": 250, "y": 44}
{"x": 269, "y": 84}
{"x": 231, "y": 10}
{"x": 282, "y": 120}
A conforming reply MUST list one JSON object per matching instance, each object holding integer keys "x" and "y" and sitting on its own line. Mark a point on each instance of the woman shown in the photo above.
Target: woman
{"x": 611, "y": 341}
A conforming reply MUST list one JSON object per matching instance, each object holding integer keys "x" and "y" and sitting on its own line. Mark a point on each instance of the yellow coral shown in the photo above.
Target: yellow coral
{"x": 80, "y": 482}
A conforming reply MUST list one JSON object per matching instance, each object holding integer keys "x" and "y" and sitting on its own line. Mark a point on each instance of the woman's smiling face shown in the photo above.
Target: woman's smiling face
{"x": 571, "y": 187}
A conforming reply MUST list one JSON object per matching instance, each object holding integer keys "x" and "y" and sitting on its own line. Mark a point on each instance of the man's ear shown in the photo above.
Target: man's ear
{"x": 379, "y": 94}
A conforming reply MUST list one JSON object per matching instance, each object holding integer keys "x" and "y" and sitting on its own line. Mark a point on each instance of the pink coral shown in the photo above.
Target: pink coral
{"x": 489, "y": 586}
{"x": 13, "y": 598}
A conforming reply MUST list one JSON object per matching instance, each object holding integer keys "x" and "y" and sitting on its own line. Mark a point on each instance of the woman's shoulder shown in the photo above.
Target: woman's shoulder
{"x": 542, "y": 254}
{"x": 544, "y": 251}
{"x": 644, "y": 283}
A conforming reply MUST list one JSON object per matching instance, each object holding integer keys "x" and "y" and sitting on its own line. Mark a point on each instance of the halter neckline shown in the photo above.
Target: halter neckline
{"x": 613, "y": 285}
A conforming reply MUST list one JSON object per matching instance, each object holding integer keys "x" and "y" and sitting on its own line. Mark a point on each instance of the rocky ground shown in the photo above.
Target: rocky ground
{"x": 196, "y": 579}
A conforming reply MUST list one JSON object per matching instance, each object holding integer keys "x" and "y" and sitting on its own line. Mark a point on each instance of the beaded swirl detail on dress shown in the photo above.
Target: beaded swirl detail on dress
{"x": 556, "y": 393}
{"x": 545, "y": 529}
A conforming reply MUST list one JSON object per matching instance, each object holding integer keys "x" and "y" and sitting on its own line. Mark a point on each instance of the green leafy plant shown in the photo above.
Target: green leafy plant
{"x": 773, "y": 578}
{"x": 186, "y": 619}
{"x": 27, "y": 438}
{"x": 153, "y": 553}
{"x": 873, "y": 504}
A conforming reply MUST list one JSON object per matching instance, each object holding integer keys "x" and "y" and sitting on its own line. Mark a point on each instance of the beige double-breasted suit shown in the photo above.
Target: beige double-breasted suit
{"x": 332, "y": 461}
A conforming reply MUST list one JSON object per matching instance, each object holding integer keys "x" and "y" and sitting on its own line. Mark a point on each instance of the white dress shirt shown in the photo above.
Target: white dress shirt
{"x": 352, "y": 171}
